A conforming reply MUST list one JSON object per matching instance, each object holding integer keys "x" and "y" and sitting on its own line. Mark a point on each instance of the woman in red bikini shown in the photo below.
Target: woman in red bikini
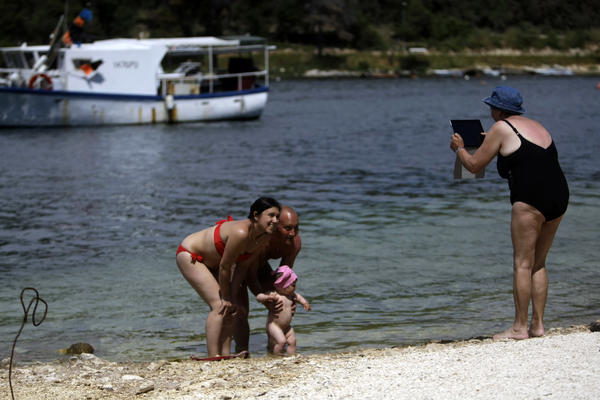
{"x": 206, "y": 260}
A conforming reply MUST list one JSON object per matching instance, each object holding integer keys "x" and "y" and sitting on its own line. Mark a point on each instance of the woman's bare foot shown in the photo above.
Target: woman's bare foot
{"x": 511, "y": 333}
{"x": 536, "y": 331}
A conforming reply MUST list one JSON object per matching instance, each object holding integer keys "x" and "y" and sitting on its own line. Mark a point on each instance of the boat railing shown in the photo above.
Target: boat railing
{"x": 9, "y": 71}
{"x": 21, "y": 78}
{"x": 209, "y": 83}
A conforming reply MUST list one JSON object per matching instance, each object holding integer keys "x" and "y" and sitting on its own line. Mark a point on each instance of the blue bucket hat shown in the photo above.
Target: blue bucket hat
{"x": 506, "y": 98}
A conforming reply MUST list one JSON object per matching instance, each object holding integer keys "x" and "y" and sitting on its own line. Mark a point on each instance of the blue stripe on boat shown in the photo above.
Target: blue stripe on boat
{"x": 112, "y": 96}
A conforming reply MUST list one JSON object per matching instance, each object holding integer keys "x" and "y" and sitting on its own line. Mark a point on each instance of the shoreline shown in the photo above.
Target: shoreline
{"x": 334, "y": 63}
{"x": 476, "y": 71}
{"x": 565, "y": 363}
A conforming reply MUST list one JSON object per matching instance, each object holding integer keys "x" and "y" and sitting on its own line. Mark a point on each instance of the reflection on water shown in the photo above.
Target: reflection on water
{"x": 394, "y": 250}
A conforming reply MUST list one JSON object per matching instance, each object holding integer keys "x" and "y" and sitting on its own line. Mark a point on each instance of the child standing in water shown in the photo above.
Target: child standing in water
{"x": 279, "y": 328}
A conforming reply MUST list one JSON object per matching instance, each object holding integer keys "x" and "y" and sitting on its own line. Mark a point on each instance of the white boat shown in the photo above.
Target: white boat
{"x": 134, "y": 81}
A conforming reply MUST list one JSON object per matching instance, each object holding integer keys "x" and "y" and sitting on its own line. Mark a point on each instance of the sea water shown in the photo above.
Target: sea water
{"x": 395, "y": 251}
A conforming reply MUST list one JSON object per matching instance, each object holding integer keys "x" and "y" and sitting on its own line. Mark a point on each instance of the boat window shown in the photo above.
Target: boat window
{"x": 14, "y": 59}
{"x": 186, "y": 66}
{"x": 215, "y": 69}
{"x": 189, "y": 68}
{"x": 240, "y": 64}
{"x": 60, "y": 60}
{"x": 30, "y": 59}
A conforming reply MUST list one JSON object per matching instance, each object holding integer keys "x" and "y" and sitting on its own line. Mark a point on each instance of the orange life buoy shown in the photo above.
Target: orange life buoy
{"x": 45, "y": 82}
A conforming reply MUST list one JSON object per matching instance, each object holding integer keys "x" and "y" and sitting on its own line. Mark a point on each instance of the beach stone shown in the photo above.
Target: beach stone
{"x": 52, "y": 378}
{"x": 155, "y": 366}
{"x": 214, "y": 383}
{"x": 5, "y": 363}
{"x": 78, "y": 348}
{"x": 171, "y": 385}
{"x": 107, "y": 386}
{"x": 145, "y": 388}
{"x": 595, "y": 326}
{"x": 88, "y": 357}
{"x": 131, "y": 378}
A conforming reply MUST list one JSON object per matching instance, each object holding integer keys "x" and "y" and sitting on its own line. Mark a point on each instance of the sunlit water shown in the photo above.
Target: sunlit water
{"x": 395, "y": 251}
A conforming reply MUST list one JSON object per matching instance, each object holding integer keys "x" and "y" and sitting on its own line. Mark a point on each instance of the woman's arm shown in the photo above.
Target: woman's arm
{"x": 484, "y": 154}
{"x": 234, "y": 246}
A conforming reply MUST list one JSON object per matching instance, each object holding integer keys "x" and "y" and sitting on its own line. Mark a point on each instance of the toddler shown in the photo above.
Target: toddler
{"x": 279, "y": 328}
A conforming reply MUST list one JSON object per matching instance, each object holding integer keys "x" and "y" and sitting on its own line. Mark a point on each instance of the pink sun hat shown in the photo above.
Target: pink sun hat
{"x": 287, "y": 278}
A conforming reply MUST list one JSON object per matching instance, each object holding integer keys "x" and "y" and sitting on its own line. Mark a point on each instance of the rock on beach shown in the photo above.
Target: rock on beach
{"x": 563, "y": 364}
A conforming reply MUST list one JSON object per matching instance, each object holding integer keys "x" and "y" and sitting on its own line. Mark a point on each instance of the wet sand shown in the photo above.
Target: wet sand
{"x": 563, "y": 364}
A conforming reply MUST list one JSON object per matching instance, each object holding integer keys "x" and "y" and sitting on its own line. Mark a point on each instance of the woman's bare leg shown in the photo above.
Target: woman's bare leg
{"x": 205, "y": 284}
{"x": 539, "y": 278}
{"x": 525, "y": 227}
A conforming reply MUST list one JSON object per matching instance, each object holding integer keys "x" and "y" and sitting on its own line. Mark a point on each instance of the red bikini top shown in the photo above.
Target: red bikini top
{"x": 220, "y": 244}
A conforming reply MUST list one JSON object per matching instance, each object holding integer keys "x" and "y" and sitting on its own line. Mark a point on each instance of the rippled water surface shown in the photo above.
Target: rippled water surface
{"x": 394, "y": 250}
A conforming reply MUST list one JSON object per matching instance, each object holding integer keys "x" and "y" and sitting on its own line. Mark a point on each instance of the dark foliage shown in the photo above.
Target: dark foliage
{"x": 349, "y": 23}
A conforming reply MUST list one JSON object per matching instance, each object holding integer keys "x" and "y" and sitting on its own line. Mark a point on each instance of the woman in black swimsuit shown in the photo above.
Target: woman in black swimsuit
{"x": 539, "y": 195}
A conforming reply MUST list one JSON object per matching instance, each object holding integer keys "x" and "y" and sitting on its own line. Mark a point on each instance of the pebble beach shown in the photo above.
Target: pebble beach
{"x": 565, "y": 363}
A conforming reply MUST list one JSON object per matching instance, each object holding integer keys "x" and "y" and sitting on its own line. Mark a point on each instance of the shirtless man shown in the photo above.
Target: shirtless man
{"x": 285, "y": 244}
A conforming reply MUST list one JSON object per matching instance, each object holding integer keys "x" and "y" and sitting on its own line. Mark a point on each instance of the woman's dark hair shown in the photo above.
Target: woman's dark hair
{"x": 261, "y": 204}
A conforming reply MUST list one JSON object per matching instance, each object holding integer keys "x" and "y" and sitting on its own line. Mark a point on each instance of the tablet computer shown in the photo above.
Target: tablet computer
{"x": 470, "y": 130}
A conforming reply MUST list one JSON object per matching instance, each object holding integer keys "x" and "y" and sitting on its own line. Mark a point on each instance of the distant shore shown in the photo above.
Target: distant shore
{"x": 289, "y": 62}
{"x": 565, "y": 363}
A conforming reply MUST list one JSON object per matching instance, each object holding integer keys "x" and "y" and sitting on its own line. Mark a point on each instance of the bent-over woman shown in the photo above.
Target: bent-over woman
{"x": 207, "y": 258}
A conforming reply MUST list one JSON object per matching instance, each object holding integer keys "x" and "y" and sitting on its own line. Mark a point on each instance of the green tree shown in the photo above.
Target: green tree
{"x": 416, "y": 22}
{"x": 327, "y": 18}
{"x": 372, "y": 24}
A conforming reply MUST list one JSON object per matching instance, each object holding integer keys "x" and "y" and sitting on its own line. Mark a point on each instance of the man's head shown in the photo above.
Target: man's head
{"x": 288, "y": 224}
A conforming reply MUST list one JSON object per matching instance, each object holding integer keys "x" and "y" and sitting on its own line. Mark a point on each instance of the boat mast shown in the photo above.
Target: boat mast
{"x": 210, "y": 69}
{"x": 267, "y": 66}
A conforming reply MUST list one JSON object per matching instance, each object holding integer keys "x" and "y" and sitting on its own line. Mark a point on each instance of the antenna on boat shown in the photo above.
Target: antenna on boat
{"x": 65, "y": 27}
{"x": 45, "y": 62}
{"x": 55, "y": 42}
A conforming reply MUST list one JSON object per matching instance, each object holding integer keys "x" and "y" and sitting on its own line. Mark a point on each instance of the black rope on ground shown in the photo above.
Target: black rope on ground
{"x": 34, "y": 301}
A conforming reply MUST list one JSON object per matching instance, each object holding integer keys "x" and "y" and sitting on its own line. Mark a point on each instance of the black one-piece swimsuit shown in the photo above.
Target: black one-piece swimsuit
{"x": 535, "y": 177}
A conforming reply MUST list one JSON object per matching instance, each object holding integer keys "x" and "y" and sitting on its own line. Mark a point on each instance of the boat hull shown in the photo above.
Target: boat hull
{"x": 26, "y": 107}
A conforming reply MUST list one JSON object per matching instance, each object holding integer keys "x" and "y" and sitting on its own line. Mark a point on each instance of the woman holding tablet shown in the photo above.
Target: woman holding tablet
{"x": 539, "y": 195}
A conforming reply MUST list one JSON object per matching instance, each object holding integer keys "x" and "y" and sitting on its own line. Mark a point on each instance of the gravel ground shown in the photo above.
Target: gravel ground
{"x": 564, "y": 364}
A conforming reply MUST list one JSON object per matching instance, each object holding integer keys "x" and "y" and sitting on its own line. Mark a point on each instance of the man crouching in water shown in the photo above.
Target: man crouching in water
{"x": 285, "y": 244}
